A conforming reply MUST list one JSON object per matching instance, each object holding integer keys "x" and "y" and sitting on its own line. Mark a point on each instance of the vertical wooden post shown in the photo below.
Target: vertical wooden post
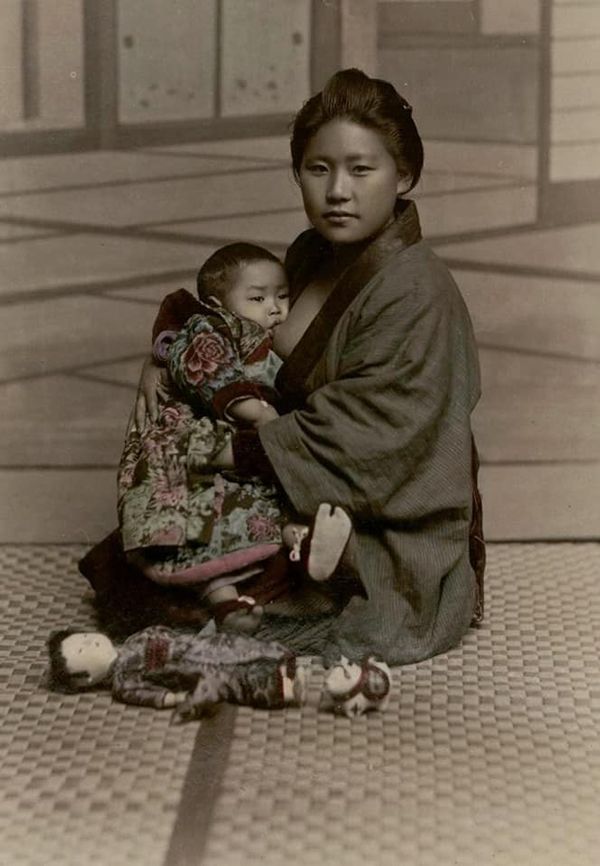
{"x": 325, "y": 42}
{"x": 359, "y": 34}
{"x": 344, "y": 33}
{"x": 544, "y": 142}
{"x": 30, "y": 53}
{"x": 101, "y": 85}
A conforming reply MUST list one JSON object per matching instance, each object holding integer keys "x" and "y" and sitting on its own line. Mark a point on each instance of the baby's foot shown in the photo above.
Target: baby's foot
{"x": 241, "y": 615}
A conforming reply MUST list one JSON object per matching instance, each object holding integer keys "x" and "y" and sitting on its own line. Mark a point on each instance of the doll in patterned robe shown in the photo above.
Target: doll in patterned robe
{"x": 162, "y": 668}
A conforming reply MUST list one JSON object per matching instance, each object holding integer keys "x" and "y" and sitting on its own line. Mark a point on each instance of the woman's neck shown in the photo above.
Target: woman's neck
{"x": 345, "y": 254}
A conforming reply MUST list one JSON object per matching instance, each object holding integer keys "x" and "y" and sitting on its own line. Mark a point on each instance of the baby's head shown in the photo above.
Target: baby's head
{"x": 79, "y": 659}
{"x": 247, "y": 280}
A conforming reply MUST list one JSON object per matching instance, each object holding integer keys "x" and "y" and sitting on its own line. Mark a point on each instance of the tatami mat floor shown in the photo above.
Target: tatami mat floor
{"x": 487, "y": 756}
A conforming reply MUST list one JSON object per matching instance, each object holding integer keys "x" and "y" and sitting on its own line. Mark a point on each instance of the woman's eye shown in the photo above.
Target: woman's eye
{"x": 361, "y": 169}
{"x": 317, "y": 168}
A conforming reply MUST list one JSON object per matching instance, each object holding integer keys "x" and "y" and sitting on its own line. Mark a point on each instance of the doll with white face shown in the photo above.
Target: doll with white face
{"x": 352, "y": 689}
{"x": 161, "y": 668}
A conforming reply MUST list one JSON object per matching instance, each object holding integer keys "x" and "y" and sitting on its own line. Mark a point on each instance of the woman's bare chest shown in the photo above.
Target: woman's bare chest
{"x": 304, "y": 310}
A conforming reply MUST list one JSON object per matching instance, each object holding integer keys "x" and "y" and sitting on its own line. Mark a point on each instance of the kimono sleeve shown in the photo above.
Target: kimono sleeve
{"x": 206, "y": 366}
{"x": 135, "y": 688}
{"x": 366, "y": 432}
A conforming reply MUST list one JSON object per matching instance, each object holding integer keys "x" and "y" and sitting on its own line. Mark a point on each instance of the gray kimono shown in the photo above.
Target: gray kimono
{"x": 381, "y": 388}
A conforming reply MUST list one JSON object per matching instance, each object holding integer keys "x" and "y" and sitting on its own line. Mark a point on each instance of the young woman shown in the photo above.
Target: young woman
{"x": 379, "y": 381}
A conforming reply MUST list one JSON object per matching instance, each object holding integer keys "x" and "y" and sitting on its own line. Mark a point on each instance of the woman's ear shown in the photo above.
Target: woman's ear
{"x": 403, "y": 184}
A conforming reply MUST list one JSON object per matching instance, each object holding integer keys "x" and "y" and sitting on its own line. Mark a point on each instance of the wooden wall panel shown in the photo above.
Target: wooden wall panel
{"x": 265, "y": 56}
{"x": 167, "y": 60}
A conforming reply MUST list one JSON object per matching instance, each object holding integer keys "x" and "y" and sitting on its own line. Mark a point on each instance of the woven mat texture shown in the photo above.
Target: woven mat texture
{"x": 487, "y": 756}
{"x": 83, "y": 781}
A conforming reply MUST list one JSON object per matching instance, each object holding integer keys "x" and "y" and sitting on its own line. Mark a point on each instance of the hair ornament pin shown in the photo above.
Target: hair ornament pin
{"x": 407, "y": 106}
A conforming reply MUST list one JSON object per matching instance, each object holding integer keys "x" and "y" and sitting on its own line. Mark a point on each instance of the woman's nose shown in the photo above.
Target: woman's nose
{"x": 338, "y": 187}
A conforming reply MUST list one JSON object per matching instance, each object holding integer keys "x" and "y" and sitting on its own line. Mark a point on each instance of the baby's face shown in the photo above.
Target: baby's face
{"x": 259, "y": 292}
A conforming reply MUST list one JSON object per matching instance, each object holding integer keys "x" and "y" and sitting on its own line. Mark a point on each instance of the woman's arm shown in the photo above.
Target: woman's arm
{"x": 369, "y": 432}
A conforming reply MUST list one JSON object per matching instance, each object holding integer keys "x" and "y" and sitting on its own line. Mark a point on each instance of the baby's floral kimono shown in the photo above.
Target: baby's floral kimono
{"x": 187, "y": 522}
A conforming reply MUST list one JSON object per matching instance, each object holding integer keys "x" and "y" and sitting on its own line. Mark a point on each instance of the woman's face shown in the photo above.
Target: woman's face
{"x": 349, "y": 182}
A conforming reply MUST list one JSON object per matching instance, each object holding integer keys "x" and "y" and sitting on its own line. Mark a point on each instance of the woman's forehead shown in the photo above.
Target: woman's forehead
{"x": 345, "y": 138}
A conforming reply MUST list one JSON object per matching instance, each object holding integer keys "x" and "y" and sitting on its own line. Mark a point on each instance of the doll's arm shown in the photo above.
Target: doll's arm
{"x": 142, "y": 692}
{"x": 150, "y": 696}
{"x": 210, "y": 690}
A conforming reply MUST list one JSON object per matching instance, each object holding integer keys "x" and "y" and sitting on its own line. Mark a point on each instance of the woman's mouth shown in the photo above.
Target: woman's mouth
{"x": 338, "y": 218}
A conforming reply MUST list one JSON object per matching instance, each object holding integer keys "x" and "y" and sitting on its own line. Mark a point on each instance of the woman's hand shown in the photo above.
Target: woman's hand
{"x": 154, "y": 381}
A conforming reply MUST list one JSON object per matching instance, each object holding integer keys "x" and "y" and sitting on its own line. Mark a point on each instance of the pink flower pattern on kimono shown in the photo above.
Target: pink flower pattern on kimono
{"x": 169, "y": 494}
{"x": 261, "y": 527}
{"x": 207, "y": 353}
{"x": 129, "y": 461}
{"x": 173, "y": 415}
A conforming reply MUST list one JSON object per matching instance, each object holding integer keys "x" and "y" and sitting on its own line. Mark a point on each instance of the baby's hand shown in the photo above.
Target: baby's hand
{"x": 252, "y": 411}
{"x": 267, "y": 413}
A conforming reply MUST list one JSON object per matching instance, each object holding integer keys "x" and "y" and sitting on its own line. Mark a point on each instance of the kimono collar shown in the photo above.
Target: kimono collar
{"x": 404, "y": 231}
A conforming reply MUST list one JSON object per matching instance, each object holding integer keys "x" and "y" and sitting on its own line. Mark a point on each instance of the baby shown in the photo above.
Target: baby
{"x": 162, "y": 668}
{"x": 182, "y": 520}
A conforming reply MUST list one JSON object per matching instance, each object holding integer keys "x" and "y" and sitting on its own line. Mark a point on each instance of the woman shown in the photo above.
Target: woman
{"x": 379, "y": 380}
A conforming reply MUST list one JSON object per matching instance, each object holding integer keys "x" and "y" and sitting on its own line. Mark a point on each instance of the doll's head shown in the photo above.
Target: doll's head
{"x": 247, "y": 280}
{"x": 352, "y": 689}
{"x": 79, "y": 659}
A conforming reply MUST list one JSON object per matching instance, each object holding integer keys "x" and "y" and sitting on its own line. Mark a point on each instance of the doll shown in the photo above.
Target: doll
{"x": 159, "y": 667}
{"x": 352, "y": 689}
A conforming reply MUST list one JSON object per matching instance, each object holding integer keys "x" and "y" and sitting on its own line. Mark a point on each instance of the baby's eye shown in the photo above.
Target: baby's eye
{"x": 258, "y": 298}
{"x": 283, "y": 296}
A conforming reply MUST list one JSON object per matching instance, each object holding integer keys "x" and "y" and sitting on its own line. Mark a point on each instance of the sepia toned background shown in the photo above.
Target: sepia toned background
{"x": 139, "y": 135}
{"x": 136, "y": 136}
